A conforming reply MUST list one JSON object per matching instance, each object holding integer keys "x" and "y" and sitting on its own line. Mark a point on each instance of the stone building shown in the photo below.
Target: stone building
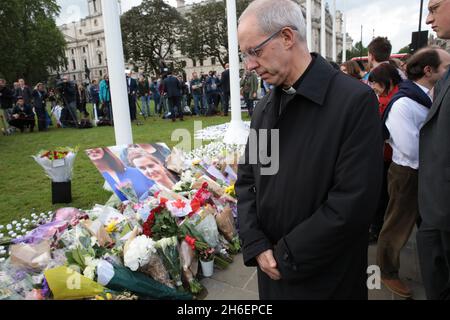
{"x": 86, "y": 47}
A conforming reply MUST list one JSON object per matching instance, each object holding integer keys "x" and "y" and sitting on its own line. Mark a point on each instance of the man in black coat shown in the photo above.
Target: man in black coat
{"x": 22, "y": 116}
{"x": 433, "y": 237}
{"x": 173, "y": 88}
{"x": 225, "y": 84}
{"x": 23, "y": 91}
{"x": 39, "y": 102}
{"x": 132, "y": 87}
{"x": 310, "y": 184}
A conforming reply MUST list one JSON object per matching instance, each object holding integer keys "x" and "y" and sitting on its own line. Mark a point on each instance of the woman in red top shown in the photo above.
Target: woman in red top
{"x": 384, "y": 80}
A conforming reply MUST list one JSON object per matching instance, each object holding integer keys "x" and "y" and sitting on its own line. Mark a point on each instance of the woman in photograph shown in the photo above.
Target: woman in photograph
{"x": 151, "y": 167}
{"x": 115, "y": 172}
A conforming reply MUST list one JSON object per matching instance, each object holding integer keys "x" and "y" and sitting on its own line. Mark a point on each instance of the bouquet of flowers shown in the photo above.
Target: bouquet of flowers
{"x": 168, "y": 250}
{"x": 58, "y": 163}
{"x": 140, "y": 255}
{"x": 126, "y": 187}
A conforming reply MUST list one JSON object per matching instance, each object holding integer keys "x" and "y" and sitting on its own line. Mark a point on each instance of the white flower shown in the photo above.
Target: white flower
{"x": 139, "y": 252}
{"x": 93, "y": 241}
{"x": 1, "y": 235}
{"x": 2, "y": 227}
{"x": 19, "y": 237}
{"x": 10, "y": 232}
{"x": 2, "y": 259}
{"x": 9, "y": 227}
{"x": 18, "y": 225}
{"x": 89, "y": 272}
{"x": 42, "y": 214}
{"x": 14, "y": 235}
{"x": 2, "y": 252}
{"x": 25, "y": 224}
{"x": 23, "y": 219}
{"x": 23, "y": 231}
{"x": 14, "y": 222}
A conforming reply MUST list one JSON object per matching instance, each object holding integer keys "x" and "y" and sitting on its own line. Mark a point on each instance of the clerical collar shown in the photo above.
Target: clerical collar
{"x": 293, "y": 90}
{"x": 289, "y": 91}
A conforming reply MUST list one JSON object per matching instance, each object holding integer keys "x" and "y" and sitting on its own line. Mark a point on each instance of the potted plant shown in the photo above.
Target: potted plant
{"x": 207, "y": 261}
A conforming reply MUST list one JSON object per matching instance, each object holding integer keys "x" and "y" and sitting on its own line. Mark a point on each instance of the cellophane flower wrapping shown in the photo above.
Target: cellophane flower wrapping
{"x": 168, "y": 250}
{"x": 57, "y": 164}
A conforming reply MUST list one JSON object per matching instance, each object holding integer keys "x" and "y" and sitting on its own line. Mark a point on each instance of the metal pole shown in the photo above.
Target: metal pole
{"x": 116, "y": 67}
{"x": 236, "y": 133}
{"x": 420, "y": 24}
{"x": 309, "y": 25}
{"x": 361, "y": 47}
{"x": 334, "y": 56}
{"x": 323, "y": 31}
{"x": 344, "y": 39}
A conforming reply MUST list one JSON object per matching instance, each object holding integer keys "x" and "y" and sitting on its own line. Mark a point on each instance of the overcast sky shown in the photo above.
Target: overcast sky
{"x": 396, "y": 19}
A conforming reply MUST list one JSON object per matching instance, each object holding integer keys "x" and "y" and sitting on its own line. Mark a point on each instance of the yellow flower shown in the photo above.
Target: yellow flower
{"x": 230, "y": 190}
{"x": 196, "y": 162}
{"x": 111, "y": 227}
{"x": 99, "y": 298}
{"x": 108, "y": 296}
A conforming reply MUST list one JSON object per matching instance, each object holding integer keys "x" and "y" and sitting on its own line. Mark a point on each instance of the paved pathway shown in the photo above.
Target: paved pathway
{"x": 240, "y": 283}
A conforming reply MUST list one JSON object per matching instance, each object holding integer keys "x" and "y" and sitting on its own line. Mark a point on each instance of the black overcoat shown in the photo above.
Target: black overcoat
{"x": 316, "y": 210}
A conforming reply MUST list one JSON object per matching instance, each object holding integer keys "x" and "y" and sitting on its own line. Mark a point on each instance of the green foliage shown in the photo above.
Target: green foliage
{"x": 31, "y": 41}
{"x": 405, "y": 49}
{"x": 150, "y": 32}
{"x": 206, "y": 32}
{"x": 165, "y": 226}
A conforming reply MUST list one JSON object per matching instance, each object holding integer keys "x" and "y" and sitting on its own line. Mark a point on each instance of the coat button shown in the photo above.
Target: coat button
{"x": 286, "y": 257}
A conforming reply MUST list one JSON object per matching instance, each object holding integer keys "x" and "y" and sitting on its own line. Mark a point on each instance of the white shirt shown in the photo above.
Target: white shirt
{"x": 404, "y": 122}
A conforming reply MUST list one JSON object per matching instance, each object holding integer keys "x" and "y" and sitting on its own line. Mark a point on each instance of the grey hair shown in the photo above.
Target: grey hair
{"x": 273, "y": 15}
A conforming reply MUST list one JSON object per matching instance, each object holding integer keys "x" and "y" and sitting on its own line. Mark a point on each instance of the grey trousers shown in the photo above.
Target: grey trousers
{"x": 434, "y": 257}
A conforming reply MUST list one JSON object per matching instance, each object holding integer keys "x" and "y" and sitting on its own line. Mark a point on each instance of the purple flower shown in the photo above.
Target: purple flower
{"x": 45, "y": 288}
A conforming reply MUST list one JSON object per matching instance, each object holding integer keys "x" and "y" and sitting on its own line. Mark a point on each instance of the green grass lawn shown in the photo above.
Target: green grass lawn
{"x": 24, "y": 187}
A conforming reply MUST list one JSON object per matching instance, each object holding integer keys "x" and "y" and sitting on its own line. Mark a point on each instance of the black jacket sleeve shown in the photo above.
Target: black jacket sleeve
{"x": 312, "y": 246}
{"x": 253, "y": 238}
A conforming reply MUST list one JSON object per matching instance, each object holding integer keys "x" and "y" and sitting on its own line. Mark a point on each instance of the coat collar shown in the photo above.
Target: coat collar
{"x": 438, "y": 100}
{"x": 316, "y": 82}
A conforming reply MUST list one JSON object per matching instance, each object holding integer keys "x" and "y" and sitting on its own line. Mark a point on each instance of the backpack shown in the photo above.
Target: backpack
{"x": 407, "y": 89}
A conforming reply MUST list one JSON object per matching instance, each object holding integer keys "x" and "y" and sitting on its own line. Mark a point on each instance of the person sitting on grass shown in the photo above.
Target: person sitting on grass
{"x": 22, "y": 116}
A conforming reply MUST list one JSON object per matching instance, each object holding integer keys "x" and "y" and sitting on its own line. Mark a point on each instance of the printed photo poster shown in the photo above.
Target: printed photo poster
{"x": 132, "y": 171}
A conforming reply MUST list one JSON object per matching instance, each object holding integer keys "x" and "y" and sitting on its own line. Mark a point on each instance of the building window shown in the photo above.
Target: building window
{"x": 213, "y": 61}
{"x": 99, "y": 59}
{"x": 95, "y": 22}
{"x": 84, "y": 49}
{"x": 194, "y": 62}
{"x": 73, "y": 52}
{"x": 201, "y": 63}
{"x": 101, "y": 73}
{"x": 94, "y": 3}
{"x": 85, "y": 63}
{"x": 74, "y": 78}
{"x": 74, "y": 65}
{"x": 183, "y": 64}
{"x": 81, "y": 31}
{"x": 98, "y": 43}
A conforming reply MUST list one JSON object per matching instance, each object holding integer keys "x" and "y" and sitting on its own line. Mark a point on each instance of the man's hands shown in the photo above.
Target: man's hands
{"x": 268, "y": 264}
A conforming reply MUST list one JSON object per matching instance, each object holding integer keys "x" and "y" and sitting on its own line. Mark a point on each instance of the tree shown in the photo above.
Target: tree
{"x": 206, "y": 32}
{"x": 150, "y": 32}
{"x": 405, "y": 49}
{"x": 31, "y": 43}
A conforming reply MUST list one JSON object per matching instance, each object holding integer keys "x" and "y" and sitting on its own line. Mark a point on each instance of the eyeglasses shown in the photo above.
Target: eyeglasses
{"x": 256, "y": 51}
{"x": 433, "y": 9}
